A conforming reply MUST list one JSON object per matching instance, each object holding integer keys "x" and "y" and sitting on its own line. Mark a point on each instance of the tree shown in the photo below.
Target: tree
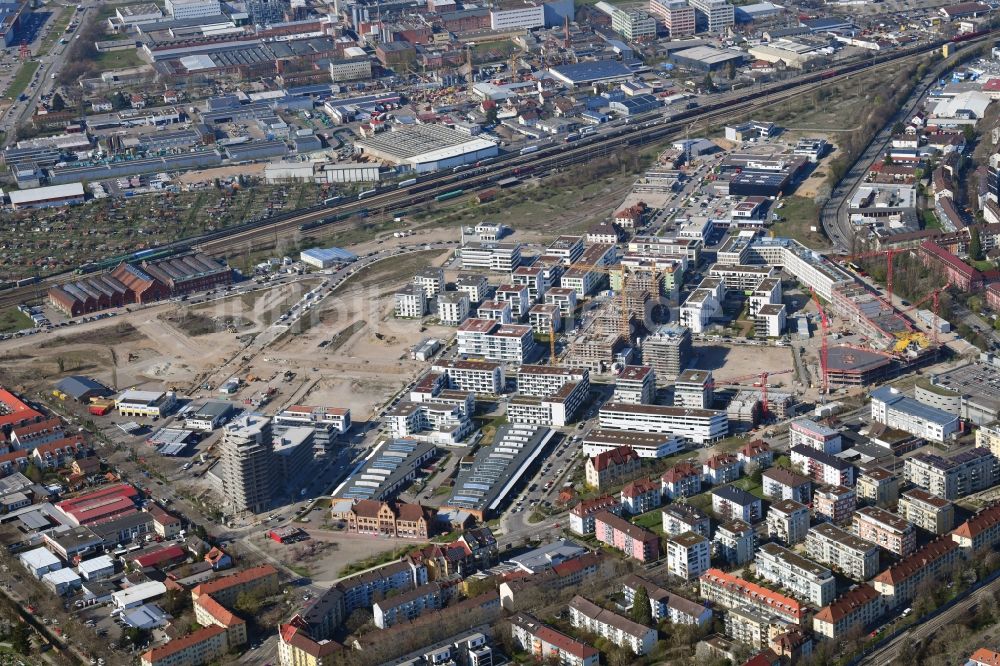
{"x": 975, "y": 244}
{"x": 491, "y": 115}
{"x": 707, "y": 84}
{"x": 57, "y": 103}
{"x": 642, "y": 612}
{"x": 898, "y": 127}
{"x": 33, "y": 473}
{"x": 249, "y": 603}
{"x": 20, "y": 637}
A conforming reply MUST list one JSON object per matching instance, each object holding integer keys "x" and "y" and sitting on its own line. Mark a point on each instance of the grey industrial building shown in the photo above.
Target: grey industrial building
{"x": 482, "y": 486}
{"x": 387, "y": 471}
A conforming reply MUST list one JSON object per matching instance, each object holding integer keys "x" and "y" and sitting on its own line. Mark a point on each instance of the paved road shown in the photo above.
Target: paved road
{"x": 834, "y": 214}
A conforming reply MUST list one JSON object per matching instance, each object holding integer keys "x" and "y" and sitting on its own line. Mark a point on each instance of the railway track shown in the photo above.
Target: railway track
{"x": 646, "y": 130}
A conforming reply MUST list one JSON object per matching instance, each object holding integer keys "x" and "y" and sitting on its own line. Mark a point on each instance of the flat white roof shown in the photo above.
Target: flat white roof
{"x": 137, "y": 593}
{"x": 45, "y": 193}
{"x": 39, "y": 558}
{"x": 140, "y": 396}
{"x": 61, "y": 576}
{"x": 96, "y": 564}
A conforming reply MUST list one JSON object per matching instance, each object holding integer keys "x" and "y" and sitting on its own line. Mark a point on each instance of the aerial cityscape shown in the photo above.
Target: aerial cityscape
{"x": 445, "y": 333}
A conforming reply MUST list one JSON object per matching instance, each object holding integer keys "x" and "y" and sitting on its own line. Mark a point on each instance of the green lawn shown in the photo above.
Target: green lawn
{"x": 21, "y": 81}
{"x": 652, "y": 520}
{"x": 983, "y": 265}
{"x": 800, "y": 214}
{"x": 931, "y": 221}
{"x": 754, "y": 489}
{"x": 119, "y": 59}
{"x": 13, "y": 319}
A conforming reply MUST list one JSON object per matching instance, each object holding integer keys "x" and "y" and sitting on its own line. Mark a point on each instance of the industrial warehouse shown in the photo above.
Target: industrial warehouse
{"x": 425, "y": 148}
{"x": 141, "y": 284}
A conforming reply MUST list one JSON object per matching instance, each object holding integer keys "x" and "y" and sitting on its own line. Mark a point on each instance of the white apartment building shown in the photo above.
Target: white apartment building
{"x": 411, "y": 302}
{"x": 804, "y": 579}
{"x": 556, "y": 409}
{"x": 713, "y": 15}
{"x": 733, "y": 542}
{"x": 439, "y": 423}
{"x": 543, "y": 380}
{"x": 951, "y": 478}
{"x": 517, "y": 296}
{"x": 483, "y": 377}
{"x": 475, "y": 286}
{"x": 788, "y": 521}
{"x": 810, "y": 268}
{"x": 495, "y": 311}
{"x": 847, "y": 553}
{"x": 896, "y": 410}
{"x": 544, "y": 318}
{"x": 350, "y": 69}
{"x": 563, "y": 298}
{"x": 499, "y": 257}
{"x": 822, "y": 467}
{"x": 635, "y": 385}
{"x": 431, "y": 280}
{"x": 621, "y": 631}
{"x": 770, "y": 320}
{"x": 644, "y": 444}
{"x": 568, "y": 249}
{"x": 517, "y": 16}
{"x": 694, "y": 389}
{"x": 814, "y": 435}
{"x": 494, "y": 341}
{"x": 688, "y": 555}
{"x": 680, "y": 518}
{"x": 453, "y": 308}
{"x": 677, "y": 15}
{"x": 698, "y": 310}
{"x": 700, "y": 426}
{"x": 633, "y": 24}
{"x": 188, "y": 9}
{"x": 538, "y": 280}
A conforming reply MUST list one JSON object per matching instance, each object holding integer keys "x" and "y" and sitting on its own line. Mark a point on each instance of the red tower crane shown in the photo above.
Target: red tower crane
{"x": 761, "y": 381}
{"x": 889, "y": 254}
{"x": 825, "y": 325}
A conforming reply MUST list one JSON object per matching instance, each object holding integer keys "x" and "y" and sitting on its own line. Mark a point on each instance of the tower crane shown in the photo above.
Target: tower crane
{"x": 761, "y": 380}
{"x": 825, "y": 325}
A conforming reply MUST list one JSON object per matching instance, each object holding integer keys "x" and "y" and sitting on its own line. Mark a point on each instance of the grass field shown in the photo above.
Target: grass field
{"x": 931, "y": 220}
{"x": 13, "y": 319}
{"x": 119, "y": 59}
{"x": 21, "y": 81}
{"x": 800, "y": 214}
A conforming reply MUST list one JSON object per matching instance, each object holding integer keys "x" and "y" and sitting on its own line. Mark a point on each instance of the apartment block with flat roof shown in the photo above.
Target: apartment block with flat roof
{"x": 886, "y": 530}
{"x": 805, "y": 579}
{"x": 788, "y": 522}
{"x": 926, "y": 511}
{"x": 845, "y": 552}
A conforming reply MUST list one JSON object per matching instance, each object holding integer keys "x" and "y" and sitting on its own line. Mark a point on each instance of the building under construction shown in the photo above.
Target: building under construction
{"x": 667, "y": 350}
{"x": 746, "y": 409}
{"x": 852, "y": 366}
{"x": 598, "y": 352}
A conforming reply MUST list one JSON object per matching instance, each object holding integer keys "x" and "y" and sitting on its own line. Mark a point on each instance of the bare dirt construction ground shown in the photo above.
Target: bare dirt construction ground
{"x": 731, "y": 361}
{"x": 327, "y": 552}
{"x": 133, "y": 349}
{"x": 355, "y": 353}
